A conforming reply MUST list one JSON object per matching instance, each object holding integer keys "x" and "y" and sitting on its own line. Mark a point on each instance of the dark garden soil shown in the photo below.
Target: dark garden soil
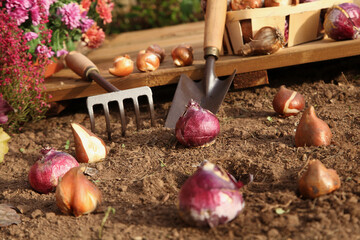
{"x": 144, "y": 171}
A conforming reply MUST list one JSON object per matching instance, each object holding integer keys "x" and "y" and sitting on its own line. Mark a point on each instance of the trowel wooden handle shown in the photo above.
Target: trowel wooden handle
{"x": 214, "y": 24}
{"x": 80, "y": 64}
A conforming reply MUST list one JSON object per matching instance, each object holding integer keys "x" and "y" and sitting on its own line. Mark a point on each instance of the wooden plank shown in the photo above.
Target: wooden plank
{"x": 281, "y": 10}
{"x": 66, "y": 85}
{"x": 250, "y": 79}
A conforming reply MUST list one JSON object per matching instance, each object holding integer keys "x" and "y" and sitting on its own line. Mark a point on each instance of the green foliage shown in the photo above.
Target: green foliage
{"x": 155, "y": 13}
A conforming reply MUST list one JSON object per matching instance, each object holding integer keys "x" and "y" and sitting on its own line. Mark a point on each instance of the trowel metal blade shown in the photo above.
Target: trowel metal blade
{"x": 186, "y": 89}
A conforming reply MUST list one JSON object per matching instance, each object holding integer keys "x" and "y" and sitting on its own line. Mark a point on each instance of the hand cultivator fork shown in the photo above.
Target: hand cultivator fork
{"x": 85, "y": 68}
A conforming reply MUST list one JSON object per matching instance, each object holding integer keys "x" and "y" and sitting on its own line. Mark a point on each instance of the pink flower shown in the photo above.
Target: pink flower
{"x": 70, "y": 15}
{"x": 85, "y": 22}
{"x": 104, "y": 8}
{"x": 18, "y": 10}
{"x": 61, "y": 52}
{"x": 42, "y": 49}
{"x": 30, "y": 36}
{"x": 94, "y": 37}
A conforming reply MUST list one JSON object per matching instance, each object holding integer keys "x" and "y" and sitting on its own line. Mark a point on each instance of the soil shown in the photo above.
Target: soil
{"x": 144, "y": 171}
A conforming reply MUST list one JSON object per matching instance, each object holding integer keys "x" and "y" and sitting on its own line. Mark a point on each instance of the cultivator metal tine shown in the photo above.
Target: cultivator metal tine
{"x": 107, "y": 119}
{"x": 119, "y": 97}
{"x": 122, "y": 117}
{"x": 91, "y": 114}
{"x": 137, "y": 112}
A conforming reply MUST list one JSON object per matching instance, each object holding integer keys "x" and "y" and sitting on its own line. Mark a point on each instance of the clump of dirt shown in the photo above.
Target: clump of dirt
{"x": 142, "y": 175}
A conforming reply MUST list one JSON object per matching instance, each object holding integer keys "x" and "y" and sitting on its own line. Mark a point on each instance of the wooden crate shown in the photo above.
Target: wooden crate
{"x": 304, "y": 20}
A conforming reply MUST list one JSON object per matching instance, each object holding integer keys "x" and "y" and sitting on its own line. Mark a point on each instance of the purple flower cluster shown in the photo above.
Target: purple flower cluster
{"x": 70, "y": 15}
{"x": 74, "y": 18}
{"x": 21, "y": 9}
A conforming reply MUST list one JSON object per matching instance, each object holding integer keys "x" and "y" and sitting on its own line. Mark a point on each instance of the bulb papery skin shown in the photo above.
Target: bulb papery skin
{"x": 288, "y": 102}
{"x": 44, "y": 174}
{"x": 76, "y": 195}
{"x": 312, "y": 131}
{"x": 342, "y": 21}
{"x": 197, "y": 127}
{"x": 210, "y": 197}
{"x": 318, "y": 180}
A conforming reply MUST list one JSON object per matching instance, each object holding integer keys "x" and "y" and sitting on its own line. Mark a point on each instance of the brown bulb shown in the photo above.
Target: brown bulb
{"x": 147, "y": 61}
{"x": 267, "y": 40}
{"x": 318, "y": 180}
{"x": 183, "y": 55}
{"x": 75, "y": 194}
{"x": 312, "y": 131}
{"x": 155, "y": 48}
{"x": 287, "y": 102}
{"x": 245, "y": 4}
{"x": 123, "y": 66}
{"x": 276, "y": 3}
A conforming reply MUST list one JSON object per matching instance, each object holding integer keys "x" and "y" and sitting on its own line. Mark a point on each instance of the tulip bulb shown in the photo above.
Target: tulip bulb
{"x": 312, "y": 131}
{"x": 288, "y": 102}
{"x": 89, "y": 147}
{"x": 147, "y": 61}
{"x": 75, "y": 194}
{"x": 318, "y": 180}
{"x": 159, "y": 51}
{"x": 183, "y": 55}
{"x": 210, "y": 197}
{"x": 123, "y": 66}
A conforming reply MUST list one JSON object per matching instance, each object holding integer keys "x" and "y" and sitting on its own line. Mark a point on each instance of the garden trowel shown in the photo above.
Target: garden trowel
{"x": 210, "y": 91}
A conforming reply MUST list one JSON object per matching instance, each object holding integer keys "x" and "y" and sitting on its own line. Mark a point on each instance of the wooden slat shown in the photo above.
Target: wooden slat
{"x": 66, "y": 85}
{"x": 280, "y": 11}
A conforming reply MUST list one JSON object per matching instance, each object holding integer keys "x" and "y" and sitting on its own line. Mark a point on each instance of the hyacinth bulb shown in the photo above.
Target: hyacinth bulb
{"x": 312, "y": 131}
{"x": 343, "y": 21}
{"x": 287, "y": 102}
{"x": 44, "y": 174}
{"x": 197, "y": 127}
{"x": 318, "y": 180}
{"x": 210, "y": 197}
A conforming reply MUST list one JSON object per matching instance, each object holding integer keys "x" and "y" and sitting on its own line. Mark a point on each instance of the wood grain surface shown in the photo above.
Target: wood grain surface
{"x": 67, "y": 85}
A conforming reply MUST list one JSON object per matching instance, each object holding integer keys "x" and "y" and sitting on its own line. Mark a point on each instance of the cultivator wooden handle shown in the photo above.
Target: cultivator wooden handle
{"x": 86, "y": 69}
{"x": 80, "y": 64}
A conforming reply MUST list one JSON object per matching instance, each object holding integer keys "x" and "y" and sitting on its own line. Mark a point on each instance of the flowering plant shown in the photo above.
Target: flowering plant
{"x": 35, "y": 31}
{"x": 65, "y": 21}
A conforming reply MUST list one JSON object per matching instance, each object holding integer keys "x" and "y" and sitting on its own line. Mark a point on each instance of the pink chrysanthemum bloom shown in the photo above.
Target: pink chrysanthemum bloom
{"x": 19, "y": 10}
{"x": 70, "y": 15}
{"x": 30, "y": 36}
{"x": 94, "y": 37}
{"x": 85, "y": 22}
{"x": 104, "y": 8}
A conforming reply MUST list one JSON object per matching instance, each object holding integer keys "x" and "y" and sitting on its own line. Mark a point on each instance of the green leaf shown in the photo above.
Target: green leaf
{"x": 67, "y": 144}
{"x": 270, "y": 119}
{"x": 280, "y": 211}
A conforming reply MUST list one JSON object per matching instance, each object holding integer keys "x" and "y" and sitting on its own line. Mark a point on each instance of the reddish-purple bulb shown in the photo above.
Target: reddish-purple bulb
{"x": 197, "y": 126}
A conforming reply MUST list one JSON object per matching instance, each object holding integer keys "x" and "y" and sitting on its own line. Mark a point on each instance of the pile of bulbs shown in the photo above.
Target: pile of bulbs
{"x": 149, "y": 60}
